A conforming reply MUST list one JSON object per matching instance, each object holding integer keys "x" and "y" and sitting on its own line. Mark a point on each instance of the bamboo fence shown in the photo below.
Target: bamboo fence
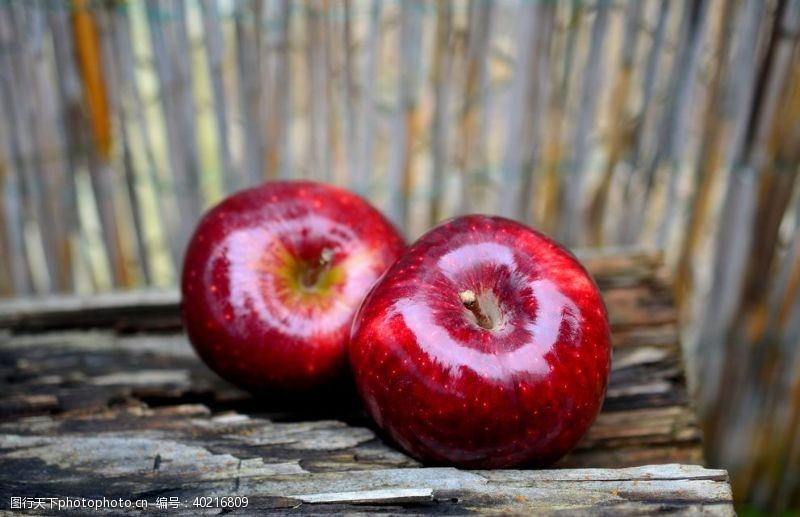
{"x": 659, "y": 123}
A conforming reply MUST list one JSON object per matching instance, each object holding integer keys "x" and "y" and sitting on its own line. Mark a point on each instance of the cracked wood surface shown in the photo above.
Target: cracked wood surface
{"x": 117, "y": 412}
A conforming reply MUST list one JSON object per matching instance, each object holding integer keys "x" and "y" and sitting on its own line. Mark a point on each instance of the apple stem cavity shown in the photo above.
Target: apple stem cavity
{"x": 470, "y": 301}
{"x": 323, "y": 264}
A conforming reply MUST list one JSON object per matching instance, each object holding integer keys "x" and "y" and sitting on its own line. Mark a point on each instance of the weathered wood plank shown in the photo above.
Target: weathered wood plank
{"x": 84, "y": 413}
{"x": 445, "y": 489}
{"x": 645, "y": 416}
{"x": 185, "y": 451}
{"x": 92, "y": 371}
{"x": 638, "y": 269}
{"x": 140, "y": 310}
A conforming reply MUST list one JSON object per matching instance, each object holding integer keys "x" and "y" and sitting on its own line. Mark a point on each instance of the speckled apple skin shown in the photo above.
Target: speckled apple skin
{"x": 242, "y": 309}
{"x": 450, "y": 392}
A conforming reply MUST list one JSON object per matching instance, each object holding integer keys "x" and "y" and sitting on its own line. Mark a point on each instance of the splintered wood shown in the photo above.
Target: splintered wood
{"x": 115, "y": 411}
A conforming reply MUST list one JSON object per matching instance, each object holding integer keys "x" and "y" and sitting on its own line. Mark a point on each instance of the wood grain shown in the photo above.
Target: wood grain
{"x": 137, "y": 415}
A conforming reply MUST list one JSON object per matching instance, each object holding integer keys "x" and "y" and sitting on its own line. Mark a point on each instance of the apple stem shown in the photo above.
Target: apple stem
{"x": 470, "y": 301}
{"x": 323, "y": 264}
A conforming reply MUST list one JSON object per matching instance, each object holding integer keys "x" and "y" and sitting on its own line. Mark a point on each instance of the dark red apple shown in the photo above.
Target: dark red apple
{"x": 486, "y": 346}
{"x": 272, "y": 278}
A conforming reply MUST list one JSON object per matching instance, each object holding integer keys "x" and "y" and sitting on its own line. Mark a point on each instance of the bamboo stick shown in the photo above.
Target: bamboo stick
{"x": 6, "y": 273}
{"x": 715, "y": 132}
{"x": 215, "y": 51}
{"x": 119, "y": 76}
{"x": 784, "y": 494}
{"x": 183, "y": 206}
{"x": 471, "y": 151}
{"x": 51, "y": 172}
{"x": 768, "y": 416}
{"x": 679, "y": 94}
{"x": 367, "y": 102}
{"x": 96, "y": 144}
{"x": 181, "y": 60}
{"x": 577, "y": 14}
{"x": 622, "y": 131}
{"x": 441, "y": 73}
{"x": 334, "y": 71}
{"x": 14, "y": 246}
{"x": 88, "y": 54}
{"x": 542, "y": 85}
{"x": 787, "y": 283}
{"x": 127, "y": 203}
{"x": 30, "y": 137}
{"x": 772, "y": 81}
{"x": 553, "y": 147}
{"x": 317, "y": 58}
{"x": 518, "y": 120}
{"x": 367, "y": 108}
{"x": 281, "y": 129}
{"x": 736, "y": 217}
{"x": 679, "y": 129}
{"x": 777, "y": 182}
{"x": 247, "y": 68}
{"x": 102, "y": 192}
{"x": 741, "y": 81}
{"x": 22, "y": 148}
{"x": 54, "y": 170}
{"x": 264, "y": 75}
{"x": 399, "y": 180}
{"x": 643, "y": 138}
{"x": 164, "y": 215}
{"x": 575, "y": 175}
{"x": 69, "y": 100}
{"x": 72, "y": 127}
{"x": 349, "y": 92}
{"x": 782, "y": 486}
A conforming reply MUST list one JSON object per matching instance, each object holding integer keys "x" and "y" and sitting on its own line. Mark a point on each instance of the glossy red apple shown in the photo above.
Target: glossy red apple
{"x": 486, "y": 346}
{"x": 272, "y": 278}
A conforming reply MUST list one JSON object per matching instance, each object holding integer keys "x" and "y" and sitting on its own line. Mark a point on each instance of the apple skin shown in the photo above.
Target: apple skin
{"x": 449, "y": 391}
{"x": 253, "y": 309}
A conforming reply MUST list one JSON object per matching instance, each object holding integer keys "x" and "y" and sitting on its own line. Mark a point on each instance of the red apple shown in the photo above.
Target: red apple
{"x": 485, "y": 346}
{"x": 272, "y": 278}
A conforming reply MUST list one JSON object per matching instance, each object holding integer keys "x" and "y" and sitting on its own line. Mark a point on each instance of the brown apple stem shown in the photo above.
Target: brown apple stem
{"x": 470, "y": 301}
{"x": 323, "y": 264}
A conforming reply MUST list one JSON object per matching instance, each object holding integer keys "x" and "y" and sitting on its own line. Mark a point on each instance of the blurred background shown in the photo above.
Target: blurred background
{"x": 668, "y": 124}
